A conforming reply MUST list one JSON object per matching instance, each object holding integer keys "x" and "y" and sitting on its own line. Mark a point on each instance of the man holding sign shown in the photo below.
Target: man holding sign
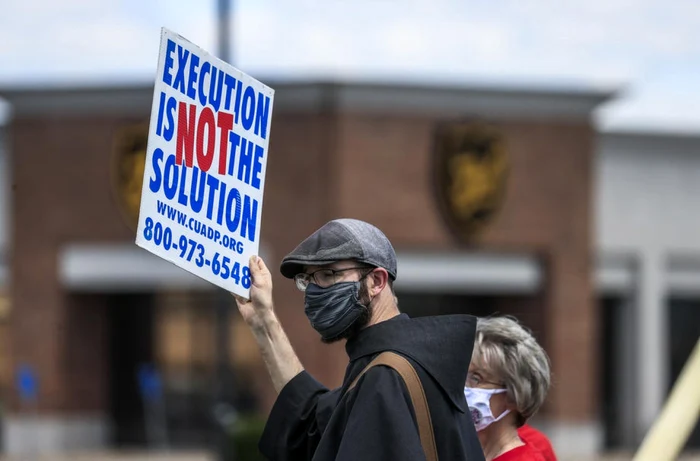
{"x": 201, "y": 207}
{"x": 346, "y": 270}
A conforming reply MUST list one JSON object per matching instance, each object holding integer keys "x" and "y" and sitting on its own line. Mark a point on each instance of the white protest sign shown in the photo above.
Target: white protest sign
{"x": 201, "y": 202}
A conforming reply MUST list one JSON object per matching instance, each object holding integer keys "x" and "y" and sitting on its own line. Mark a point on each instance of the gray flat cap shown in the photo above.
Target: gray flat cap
{"x": 342, "y": 239}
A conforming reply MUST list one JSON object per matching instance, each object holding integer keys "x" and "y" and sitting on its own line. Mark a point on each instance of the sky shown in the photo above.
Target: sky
{"x": 648, "y": 50}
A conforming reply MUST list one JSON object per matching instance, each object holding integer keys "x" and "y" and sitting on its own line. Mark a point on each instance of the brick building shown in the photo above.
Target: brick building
{"x": 87, "y": 305}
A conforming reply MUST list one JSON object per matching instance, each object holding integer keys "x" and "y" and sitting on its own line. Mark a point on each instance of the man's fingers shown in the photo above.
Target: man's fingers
{"x": 262, "y": 266}
{"x": 240, "y": 299}
{"x": 257, "y": 267}
{"x": 254, "y": 266}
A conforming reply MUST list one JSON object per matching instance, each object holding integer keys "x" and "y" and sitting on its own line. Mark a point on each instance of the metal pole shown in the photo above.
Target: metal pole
{"x": 224, "y": 300}
{"x": 224, "y": 30}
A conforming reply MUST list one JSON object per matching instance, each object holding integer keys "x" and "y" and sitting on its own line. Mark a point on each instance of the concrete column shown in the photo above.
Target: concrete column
{"x": 651, "y": 326}
{"x": 626, "y": 358}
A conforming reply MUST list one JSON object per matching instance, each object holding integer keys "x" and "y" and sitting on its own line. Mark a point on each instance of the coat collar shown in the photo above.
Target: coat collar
{"x": 442, "y": 345}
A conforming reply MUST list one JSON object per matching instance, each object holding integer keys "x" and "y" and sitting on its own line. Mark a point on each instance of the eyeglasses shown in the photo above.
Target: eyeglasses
{"x": 474, "y": 379}
{"x": 325, "y": 277}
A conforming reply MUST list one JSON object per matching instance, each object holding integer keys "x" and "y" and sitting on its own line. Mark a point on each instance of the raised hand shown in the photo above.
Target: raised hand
{"x": 260, "y": 306}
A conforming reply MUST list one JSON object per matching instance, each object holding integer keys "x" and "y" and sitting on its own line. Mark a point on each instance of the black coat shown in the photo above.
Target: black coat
{"x": 375, "y": 421}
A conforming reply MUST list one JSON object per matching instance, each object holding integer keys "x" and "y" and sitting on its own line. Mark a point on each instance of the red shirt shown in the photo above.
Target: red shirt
{"x": 522, "y": 453}
{"x": 538, "y": 441}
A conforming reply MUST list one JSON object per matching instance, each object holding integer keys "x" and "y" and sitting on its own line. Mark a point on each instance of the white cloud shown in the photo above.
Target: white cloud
{"x": 597, "y": 42}
{"x": 600, "y": 43}
{"x": 88, "y": 39}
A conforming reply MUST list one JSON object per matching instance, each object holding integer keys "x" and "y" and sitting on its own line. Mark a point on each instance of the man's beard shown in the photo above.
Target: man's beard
{"x": 361, "y": 322}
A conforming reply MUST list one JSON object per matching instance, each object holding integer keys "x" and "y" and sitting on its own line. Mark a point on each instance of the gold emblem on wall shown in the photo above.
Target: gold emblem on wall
{"x": 471, "y": 171}
{"x": 128, "y": 164}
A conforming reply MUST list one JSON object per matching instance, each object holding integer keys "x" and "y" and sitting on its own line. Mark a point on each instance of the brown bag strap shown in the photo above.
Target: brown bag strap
{"x": 420, "y": 403}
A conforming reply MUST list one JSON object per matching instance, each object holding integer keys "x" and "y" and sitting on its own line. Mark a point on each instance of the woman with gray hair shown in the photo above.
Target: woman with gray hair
{"x": 507, "y": 382}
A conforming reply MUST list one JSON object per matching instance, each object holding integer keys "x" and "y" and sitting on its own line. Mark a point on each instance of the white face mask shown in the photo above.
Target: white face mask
{"x": 479, "y": 402}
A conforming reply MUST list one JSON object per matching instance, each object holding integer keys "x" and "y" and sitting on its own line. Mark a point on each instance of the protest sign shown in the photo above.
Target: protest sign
{"x": 202, "y": 193}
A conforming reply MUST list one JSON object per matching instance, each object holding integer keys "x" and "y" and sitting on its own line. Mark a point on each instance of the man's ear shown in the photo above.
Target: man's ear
{"x": 380, "y": 279}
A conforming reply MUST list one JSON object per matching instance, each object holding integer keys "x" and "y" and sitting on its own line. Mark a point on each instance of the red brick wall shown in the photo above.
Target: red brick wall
{"x": 60, "y": 194}
{"x": 321, "y": 166}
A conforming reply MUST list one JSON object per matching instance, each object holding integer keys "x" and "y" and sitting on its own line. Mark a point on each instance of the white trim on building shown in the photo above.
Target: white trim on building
{"x": 426, "y": 100}
{"x": 465, "y": 273}
{"x": 123, "y": 267}
{"x": 120, "y": 267}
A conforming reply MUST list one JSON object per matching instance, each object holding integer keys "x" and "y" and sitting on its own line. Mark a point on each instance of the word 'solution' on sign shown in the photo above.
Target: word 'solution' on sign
{"x": 201, "y": 202}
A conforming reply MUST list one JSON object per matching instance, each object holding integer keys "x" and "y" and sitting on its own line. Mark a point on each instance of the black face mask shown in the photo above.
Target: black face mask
{"x": 333, "y": 310}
